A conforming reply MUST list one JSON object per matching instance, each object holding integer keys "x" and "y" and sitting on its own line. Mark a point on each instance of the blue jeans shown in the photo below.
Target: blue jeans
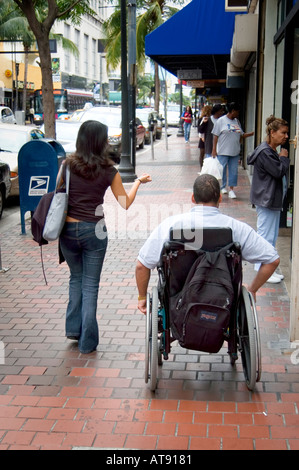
{"x": 267, "y": 225}
{"x": 229, "y": 164}
{"x": 187, "y": 128}
{"x": 84, "y": 253}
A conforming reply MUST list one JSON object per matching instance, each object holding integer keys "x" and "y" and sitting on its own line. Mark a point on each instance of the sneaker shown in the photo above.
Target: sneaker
{"x": 274, "y": 279}
{"x": 224, "y": 191}
{"x": 231, "y": 194}
{"x": 281, "y": 276}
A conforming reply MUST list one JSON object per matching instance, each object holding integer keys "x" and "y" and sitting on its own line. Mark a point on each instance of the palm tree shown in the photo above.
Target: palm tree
{"x": 152, "y": 14}
{"x": 41, "y": 16}
{"x": 14, "y": 27}
{"x": 145, "y": 84}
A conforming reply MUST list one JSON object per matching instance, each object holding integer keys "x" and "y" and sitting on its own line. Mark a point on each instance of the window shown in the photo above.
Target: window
{"x": 67, "y": 56}
{"x": 77, "y": 42}
{"x": 236, "y": 5}
{"x": 94, "y": 57}
{"x": 86, "y": 40}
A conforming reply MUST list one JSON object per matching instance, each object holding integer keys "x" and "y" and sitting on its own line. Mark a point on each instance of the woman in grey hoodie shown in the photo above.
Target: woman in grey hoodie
{"x": 268, "y": 187}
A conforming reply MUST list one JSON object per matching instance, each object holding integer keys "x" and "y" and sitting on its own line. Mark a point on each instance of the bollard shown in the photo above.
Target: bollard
{"x": 2, "y": 270}
{"x": 151, "y": 128}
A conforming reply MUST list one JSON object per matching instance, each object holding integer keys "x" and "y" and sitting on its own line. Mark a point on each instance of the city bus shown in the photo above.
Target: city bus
{"x": 65, "y": 100}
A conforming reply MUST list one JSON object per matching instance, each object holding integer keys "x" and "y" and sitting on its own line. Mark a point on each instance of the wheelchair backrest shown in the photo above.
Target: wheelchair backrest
{"x": 207, "y": 239}
{"x": 179, "y": 254}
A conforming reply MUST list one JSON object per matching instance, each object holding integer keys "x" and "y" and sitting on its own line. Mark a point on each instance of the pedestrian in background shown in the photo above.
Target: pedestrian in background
{"x": 226, "y": 145}
{"x": 206, "y": 126}
{"x": 202, "y": 121}
{"x": 83, "y": 241}
{"x": 269, "y": 185}
{"x": 187, "y": 118}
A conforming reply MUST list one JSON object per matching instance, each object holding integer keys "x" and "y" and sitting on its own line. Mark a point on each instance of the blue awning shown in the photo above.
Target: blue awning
{"x": 198, "y": 36}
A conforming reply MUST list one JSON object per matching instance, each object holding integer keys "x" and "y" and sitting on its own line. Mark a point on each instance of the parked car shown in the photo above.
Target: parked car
{"x": 7, "y": 116}
{"x": 75, "y": 116}
{"x": 5, "y": 184}
{"x": 12, "y": 138}
{"x": 173, "y": 115}
{"x": 112, "y": 118}
{"x": 146, "y": 116}
{"x": 66, "y": 134}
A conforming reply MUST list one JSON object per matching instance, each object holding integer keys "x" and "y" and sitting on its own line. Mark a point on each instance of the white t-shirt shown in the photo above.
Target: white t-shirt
{"x": 255, "y": 249}
{"x": 229, "y": 132}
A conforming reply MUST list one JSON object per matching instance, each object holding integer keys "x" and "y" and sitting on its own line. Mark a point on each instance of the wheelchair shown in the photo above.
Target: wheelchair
{"x": 242, "y": 335}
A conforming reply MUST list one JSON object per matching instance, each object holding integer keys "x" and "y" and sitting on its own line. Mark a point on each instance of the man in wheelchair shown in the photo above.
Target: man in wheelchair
{"x": 206, "y": 198}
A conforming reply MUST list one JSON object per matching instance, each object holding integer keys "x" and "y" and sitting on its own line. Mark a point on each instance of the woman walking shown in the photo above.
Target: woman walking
{"x": 269, "y": 184}
{"x": 187, "y": 118}
{"x": 83, "y": 241}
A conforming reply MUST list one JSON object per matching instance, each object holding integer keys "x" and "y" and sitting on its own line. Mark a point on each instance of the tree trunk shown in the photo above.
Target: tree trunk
{"x": 41, "y": 32}
{"x": 47, "y": 86}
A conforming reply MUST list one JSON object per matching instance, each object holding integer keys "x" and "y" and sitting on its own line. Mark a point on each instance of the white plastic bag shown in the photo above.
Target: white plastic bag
{"x": 213, "y": 167}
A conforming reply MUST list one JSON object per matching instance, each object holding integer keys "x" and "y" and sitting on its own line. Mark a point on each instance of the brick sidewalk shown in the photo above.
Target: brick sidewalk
{"x": 53, "y": 397}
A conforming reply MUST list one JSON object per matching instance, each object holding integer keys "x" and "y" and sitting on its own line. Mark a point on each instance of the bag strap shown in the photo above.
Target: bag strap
{"x": 60, "y": 178}
{"x": 67, "y": 177}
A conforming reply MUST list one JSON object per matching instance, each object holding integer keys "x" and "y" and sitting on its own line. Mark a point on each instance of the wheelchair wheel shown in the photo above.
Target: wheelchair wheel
{"x": 257, "y": 338}
{"x": 151, "y": 339}
{"x": 248, "y": 337}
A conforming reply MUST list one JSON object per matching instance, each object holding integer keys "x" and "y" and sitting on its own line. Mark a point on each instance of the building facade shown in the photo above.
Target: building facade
{"x": 82, "y": 72}
{"x": 266, "y": 75}
{"x": 89, "y": 67}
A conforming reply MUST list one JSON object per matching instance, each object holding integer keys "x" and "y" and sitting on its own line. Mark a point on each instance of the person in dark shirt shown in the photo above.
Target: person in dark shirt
{"x": 269, "y": 185}
{"x": 83, "y": 241}
{"x": 205, "y": 128}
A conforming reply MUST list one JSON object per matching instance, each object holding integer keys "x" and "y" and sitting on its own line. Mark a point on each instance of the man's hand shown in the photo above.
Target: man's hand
{"x": 265, "y": 271}
{"x": 142, "y": 306}
{"x": 142, "y": 279}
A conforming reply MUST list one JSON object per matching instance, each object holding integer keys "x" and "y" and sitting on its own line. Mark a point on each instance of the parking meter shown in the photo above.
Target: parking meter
{"x": 38, "y": 163}
{"x": 151, "y": 129}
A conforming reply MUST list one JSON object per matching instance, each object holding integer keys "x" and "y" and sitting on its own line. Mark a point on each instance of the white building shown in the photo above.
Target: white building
{"x": 89, "y": 68}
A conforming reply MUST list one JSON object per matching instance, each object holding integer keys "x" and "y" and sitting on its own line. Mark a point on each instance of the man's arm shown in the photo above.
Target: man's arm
{"x": 263, "y": 274}
{"x": 214, "y": 151}
{"x": 143, "y": 275}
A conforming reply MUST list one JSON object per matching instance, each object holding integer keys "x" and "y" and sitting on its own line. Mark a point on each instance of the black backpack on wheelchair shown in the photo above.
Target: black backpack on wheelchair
{"x": 200, "y": 312}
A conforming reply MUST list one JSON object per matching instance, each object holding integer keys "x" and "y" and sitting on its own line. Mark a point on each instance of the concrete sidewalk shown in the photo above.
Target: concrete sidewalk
{"x": 53, "y": 397}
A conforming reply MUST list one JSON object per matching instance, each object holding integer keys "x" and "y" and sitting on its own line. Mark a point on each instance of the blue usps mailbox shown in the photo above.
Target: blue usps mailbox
{"x": 38, "y": 163}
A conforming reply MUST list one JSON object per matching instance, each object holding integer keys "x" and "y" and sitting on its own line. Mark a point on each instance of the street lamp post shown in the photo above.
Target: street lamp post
{"x": 181, "y": 130}
{"x": 126, "y": 170}
{"x": 17, "y": 86}
{"x": 132, "y": 76}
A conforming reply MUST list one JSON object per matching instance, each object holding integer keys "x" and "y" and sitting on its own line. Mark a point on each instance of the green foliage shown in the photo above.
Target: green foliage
{"x": 149, "y": 15}
{"x": 175, "y": 98}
